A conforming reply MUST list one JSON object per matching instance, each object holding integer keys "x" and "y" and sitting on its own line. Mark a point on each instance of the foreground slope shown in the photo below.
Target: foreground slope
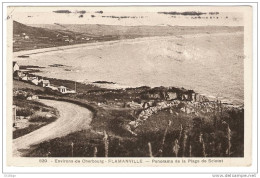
{"x": 72, "y": 118}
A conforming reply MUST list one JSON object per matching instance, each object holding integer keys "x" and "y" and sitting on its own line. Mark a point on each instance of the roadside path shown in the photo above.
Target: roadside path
{"x": 72, "y": 118}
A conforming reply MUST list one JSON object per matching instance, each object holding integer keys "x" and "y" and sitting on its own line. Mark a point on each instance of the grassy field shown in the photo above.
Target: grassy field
{"x": 26, "y": 86}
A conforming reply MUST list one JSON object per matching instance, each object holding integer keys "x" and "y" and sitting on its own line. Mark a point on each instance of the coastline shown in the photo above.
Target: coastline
{"x": 97, "y": 44}
{"x": 119, "y": 85}
{"x": 121, "y": 88}
{"x": 110, "y": 104}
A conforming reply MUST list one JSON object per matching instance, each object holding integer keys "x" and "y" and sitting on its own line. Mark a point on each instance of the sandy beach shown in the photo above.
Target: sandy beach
{"x": 211, "y": 64}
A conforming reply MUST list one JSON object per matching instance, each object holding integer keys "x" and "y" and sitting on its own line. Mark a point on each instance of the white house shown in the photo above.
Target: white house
{"x": 194, "y": 97}
{"x": 71, "y": 91}
{"x": 35, "y": 81}
{"x": 171, "y": 95}
{"x": 24, "y": 78}
{"x": 15, "y": 66}
{"x": 62, "y": 89}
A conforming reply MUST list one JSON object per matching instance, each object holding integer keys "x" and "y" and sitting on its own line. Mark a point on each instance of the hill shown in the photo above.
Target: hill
{"x": 19, "y": 29}
{"x": 138, "y": 31}
{"x": 28, "y": 37}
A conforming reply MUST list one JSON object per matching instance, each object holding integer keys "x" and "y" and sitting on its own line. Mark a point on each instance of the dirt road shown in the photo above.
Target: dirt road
{"x": 72, "y": 118}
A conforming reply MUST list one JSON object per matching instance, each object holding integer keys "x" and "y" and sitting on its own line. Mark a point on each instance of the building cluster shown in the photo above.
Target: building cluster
{"x": 65, "y": 38}
{"x": 23, "y": 36}
{"x": 20, "y": 75}
{"x": 68, "y": 39}
{"x": 175, "y": 94}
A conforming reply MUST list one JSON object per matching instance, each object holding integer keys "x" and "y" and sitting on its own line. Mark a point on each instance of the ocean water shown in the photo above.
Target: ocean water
{"x": 211, "y": 64}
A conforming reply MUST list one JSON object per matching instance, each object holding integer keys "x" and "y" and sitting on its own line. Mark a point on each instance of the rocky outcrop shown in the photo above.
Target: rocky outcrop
{"x": 188, "y": 107}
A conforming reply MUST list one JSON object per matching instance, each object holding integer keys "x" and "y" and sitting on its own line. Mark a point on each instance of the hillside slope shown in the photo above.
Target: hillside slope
{"x": 19, "y": 28}
{"x": 138, "y": 31}
{"x": 28, "y": 37}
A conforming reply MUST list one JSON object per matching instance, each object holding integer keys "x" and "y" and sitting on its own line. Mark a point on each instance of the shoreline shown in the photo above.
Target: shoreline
{"x": 110, "y": 85}
{"x": 119, "y": 87}
{"x": 116, "y": 85}
{"x": 98, "y": 44}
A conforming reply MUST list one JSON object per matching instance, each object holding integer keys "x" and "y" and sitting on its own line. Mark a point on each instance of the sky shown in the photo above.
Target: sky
{"x": 136, "y": 16}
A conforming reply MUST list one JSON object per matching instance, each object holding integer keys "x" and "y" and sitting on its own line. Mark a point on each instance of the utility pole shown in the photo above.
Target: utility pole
{"x": 72, "y": 145}
{"x": 14, "y": 115}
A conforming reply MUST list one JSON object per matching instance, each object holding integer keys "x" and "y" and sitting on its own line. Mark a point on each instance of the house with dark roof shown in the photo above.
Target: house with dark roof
{"x": 45, "y": 83}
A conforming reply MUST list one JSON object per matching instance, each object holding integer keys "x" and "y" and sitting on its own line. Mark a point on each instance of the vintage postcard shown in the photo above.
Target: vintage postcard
{"x": 129, "y": 86}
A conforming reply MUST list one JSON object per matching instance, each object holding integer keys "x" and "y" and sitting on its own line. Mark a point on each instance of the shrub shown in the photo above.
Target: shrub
{"x": 138, "y": 100}
{"x": 37, "y": 108}
{"x": 42, "y": 119}
{"x": 38, "y": 119}
{"x": 24, "y": 112}
{"x": 24, "y": 131}
{"x": 45, "y": 110}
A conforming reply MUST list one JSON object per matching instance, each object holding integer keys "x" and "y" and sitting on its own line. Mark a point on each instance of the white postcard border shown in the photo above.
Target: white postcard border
{"x": 142, "y": 169}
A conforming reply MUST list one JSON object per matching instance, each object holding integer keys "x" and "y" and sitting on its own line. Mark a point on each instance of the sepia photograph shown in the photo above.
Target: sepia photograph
{"x": 129, "y": 82}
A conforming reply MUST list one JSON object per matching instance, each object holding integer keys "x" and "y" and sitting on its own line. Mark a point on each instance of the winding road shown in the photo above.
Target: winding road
{"x": 72, "y": 118}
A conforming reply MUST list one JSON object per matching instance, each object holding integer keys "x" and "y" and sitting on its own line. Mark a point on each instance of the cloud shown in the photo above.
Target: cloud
{"x": 123, "y": 17}
{"x": 100, "y": 12}
{"x": 81, "y": 12}
{"x": 62, "y": 11}
{"x": 183, "y": 13}
{"x": 68, "y": 12}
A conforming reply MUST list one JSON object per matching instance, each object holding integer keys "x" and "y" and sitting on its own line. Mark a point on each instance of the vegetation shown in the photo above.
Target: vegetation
{"x": 20, "y": 132}
{"x": 168, "y": 133}
{"x": 36, "y": 123}
{"x": 31, "y": 115}
{"x": 200, "y": 139}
